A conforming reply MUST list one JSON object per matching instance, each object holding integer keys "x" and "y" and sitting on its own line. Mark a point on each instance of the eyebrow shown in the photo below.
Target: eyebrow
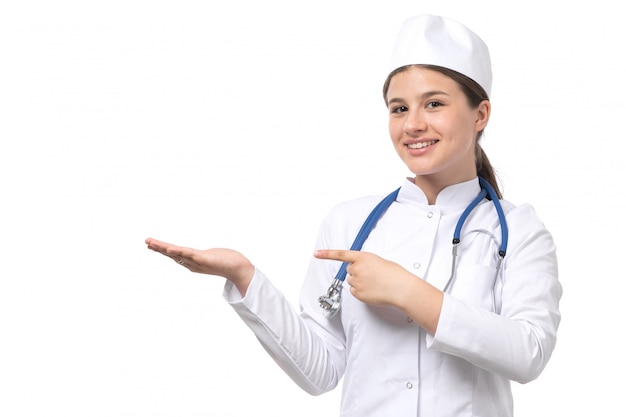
{"x": 423, "y": 96}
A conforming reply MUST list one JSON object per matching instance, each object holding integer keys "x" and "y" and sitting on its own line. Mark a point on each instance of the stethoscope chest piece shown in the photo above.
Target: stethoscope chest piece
{"x": 331, "y": 301}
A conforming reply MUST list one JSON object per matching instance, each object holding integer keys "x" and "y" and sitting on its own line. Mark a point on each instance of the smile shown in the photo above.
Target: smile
{"x": 420, "y": 145}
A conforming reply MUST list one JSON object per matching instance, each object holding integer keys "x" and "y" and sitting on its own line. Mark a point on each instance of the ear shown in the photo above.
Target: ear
{"x": 483, "y": 111}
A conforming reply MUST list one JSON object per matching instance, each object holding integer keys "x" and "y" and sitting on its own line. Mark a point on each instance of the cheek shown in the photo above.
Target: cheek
{"x": 462, "y": 129}
{"x": 396, "y": 128}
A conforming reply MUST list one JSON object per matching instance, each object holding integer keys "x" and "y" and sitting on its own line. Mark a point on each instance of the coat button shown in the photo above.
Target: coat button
{"x": 409, "y": 385}
{"x": 417, "y": 265}
{"x": 430, "y": 214}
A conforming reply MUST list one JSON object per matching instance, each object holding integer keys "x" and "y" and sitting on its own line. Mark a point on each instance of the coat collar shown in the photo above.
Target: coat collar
{"x": 449, "y": 199}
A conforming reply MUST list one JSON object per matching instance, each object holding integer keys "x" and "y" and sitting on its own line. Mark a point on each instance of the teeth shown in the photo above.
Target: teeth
{"x": 421, "y": 145}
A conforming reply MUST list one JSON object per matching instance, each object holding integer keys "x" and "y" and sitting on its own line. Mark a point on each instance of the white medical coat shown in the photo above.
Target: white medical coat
{"x": 390, "y": 366}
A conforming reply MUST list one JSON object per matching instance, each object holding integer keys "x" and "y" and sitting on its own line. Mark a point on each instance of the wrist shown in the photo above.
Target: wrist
{"x": 242, "y": 279}
{"x": 422, "y": 302}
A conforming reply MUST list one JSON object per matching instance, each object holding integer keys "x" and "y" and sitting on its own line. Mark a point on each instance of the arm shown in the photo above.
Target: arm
{"x": 310, "y": 354}
{"x": 517, "y": 343}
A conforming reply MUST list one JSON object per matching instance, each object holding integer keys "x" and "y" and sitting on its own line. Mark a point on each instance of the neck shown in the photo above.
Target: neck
{"x": 430, "y": 190}
{"x": 431, "y": 187}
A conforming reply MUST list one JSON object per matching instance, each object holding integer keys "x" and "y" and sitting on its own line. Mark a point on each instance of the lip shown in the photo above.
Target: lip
{"x": 420, "y": 151}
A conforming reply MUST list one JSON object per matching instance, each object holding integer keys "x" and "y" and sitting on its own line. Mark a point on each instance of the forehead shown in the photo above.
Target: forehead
{"x": 418, "y": 80}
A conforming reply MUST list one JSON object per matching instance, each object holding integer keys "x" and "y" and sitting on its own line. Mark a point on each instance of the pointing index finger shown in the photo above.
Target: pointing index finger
{"x": 336, "y": 254}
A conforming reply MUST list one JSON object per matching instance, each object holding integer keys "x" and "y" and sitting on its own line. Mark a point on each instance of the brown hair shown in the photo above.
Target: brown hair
{"x": 475, "y": 95}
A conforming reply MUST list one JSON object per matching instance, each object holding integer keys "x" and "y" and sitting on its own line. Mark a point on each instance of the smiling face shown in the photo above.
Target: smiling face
{"x": 433, "y": 127}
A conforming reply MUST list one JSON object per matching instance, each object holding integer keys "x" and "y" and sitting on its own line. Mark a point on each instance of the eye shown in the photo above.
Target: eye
{"x": 434, "y": 104}
{"x": 399, "y": 109}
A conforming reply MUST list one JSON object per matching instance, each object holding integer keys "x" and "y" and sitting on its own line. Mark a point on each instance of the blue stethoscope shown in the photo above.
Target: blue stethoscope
{"x": 331, "y": 301}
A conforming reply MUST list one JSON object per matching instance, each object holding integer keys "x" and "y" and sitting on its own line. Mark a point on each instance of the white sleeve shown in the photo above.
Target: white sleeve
{"x": 518, "y": 342}
{"x": 308, "y": 347}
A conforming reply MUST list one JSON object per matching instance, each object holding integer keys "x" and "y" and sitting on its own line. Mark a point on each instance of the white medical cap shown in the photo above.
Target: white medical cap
{"x": 436, "y": 40}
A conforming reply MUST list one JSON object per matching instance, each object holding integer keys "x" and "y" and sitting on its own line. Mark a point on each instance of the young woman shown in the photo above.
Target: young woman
{"x": 423, "y": 329}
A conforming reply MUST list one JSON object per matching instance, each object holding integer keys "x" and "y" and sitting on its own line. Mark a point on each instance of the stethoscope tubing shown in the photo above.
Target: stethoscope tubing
{"x": 331, "y": 301}
{"x": 367, "y": 227}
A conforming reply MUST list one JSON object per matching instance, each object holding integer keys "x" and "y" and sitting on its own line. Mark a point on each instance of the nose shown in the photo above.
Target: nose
{"x": 414, "y": 122}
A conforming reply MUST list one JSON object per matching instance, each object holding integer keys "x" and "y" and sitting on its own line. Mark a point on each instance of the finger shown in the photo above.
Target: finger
{"x": 169, "y": 249}
{"x": 337, "y": 254}
{"x": 180, "y": 252}
{"x": 158, "y": 245}
{"x": 175, "y": 258}
{"x": 185, "y": 261}
{"x": 350, "y": 280}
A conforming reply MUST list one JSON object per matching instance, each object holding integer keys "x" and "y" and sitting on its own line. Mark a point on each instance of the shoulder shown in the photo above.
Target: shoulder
{"x": 343, "y": 221}
{"x": 523, "y": 215}
{"x": 526, "y": 229}
{"x": 522, "y": 221}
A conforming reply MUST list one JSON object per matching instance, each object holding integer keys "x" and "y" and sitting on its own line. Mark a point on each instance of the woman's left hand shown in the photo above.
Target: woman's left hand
{"x": 377, "y": 281}
{"x": 372, "y": 279}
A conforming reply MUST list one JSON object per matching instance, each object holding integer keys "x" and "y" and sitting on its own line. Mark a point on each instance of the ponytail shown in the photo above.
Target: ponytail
{"x": 485, "y": 170}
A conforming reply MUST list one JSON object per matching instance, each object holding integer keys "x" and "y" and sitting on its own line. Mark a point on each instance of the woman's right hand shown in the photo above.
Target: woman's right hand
{"x": 226, "y": 263}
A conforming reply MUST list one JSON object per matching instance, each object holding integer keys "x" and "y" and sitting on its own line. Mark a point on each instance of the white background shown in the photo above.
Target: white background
{"x": 241, "y": 124}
